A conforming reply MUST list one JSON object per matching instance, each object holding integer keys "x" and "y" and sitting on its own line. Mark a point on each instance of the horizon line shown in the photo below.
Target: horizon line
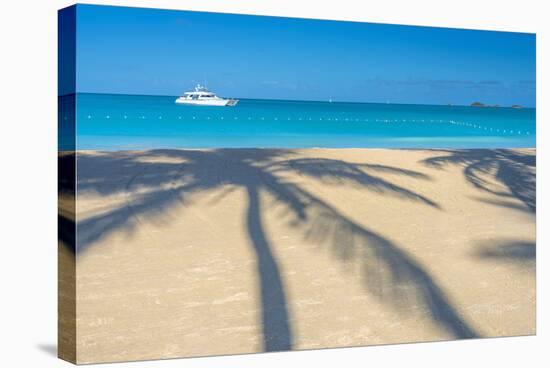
{"x": 324, "y": 101}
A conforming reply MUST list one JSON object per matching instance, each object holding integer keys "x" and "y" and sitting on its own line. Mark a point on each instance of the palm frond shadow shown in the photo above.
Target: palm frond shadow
{"x": 66, "y": 162}
{"x": 389, "y": 272}
{"x": 513, "y": 251}
{"x": 514, "y": 170}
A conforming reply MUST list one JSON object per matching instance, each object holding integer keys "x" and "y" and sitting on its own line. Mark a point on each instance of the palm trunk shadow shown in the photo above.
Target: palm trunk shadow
{"x": 277, "y": 334}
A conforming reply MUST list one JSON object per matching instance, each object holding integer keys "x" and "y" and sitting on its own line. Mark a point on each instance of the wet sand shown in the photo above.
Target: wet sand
{"x": 197, "y": 252}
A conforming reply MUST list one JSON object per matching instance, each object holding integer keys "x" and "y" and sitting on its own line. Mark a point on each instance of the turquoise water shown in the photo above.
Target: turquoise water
{"x": 112, "y": 122}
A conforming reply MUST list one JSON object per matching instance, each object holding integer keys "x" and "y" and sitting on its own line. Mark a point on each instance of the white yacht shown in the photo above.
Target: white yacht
{"x": 202, "y": 96}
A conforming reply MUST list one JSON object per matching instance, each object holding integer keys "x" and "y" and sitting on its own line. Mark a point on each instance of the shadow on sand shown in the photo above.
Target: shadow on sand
{"x": 512, "y": 169}
{"x": 66, "y": 162}
{"x": 514, "y": 251}
{"x": 390, "y": 273}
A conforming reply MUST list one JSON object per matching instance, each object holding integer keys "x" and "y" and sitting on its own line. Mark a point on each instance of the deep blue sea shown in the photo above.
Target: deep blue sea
{"x": 116, "y": 122}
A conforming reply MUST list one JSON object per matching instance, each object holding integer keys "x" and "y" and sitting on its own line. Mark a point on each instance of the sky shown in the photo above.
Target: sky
{"x": 164, "y": 52}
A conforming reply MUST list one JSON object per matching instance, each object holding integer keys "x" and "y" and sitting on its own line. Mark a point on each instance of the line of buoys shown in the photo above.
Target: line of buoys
{"x": 350, "y": 119}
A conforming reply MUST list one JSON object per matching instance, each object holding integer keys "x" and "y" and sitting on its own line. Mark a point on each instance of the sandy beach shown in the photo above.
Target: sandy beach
{"x": 207, "y": 252}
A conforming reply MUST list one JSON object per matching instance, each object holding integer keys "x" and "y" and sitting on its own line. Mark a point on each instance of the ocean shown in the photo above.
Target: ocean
{"x": 122, "y": 122}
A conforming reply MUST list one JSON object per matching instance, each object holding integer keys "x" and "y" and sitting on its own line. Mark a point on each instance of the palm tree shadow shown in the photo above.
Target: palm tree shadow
{"x": 513, "y": 170}
{"x": 158, "y": 185}
{"x": 511, "y": 251}
{"x": 66, "y": 199}
{"x": 275, "y": 319}
{"x": 388, "y": 271}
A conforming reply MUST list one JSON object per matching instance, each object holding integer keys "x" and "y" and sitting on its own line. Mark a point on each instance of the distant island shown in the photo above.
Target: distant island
{"x": 481, "y": 104}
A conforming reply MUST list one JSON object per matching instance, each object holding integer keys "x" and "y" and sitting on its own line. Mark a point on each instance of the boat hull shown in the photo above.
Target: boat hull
{"x": 220, "y": 102}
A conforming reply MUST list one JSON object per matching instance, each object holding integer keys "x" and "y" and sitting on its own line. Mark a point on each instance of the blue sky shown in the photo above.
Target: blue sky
{"x": 164, "y": 52}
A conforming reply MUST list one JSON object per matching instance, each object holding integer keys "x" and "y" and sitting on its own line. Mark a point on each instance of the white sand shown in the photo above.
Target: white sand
{"x": 189, "y": 253}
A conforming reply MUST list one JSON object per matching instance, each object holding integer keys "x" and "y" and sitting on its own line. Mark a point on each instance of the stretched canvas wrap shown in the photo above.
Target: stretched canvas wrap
{"x": 235, "y": 184}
